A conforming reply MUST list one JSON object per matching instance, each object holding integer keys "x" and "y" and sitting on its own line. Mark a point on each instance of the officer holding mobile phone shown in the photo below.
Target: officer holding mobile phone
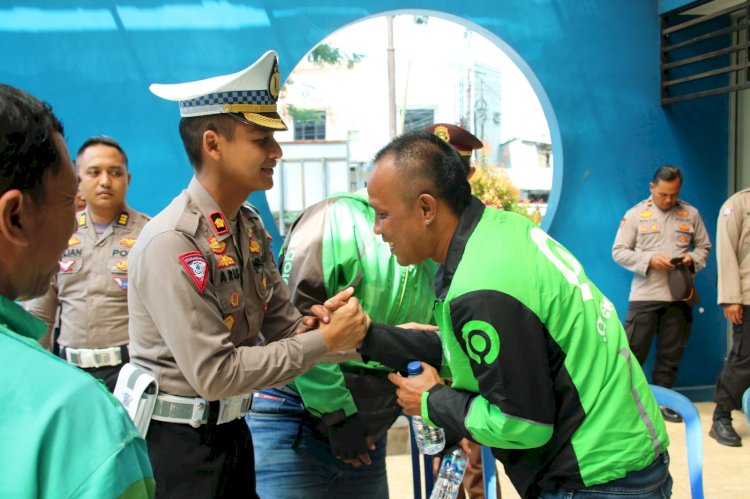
{"x": 664, "y": 242}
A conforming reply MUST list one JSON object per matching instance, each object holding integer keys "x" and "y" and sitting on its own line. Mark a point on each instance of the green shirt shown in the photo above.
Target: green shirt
{"x": 62, "y": 434}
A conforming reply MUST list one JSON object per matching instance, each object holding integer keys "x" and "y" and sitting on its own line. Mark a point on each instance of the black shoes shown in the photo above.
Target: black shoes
{"x": 670, "y": 415}
{"x": 724, "y": 433}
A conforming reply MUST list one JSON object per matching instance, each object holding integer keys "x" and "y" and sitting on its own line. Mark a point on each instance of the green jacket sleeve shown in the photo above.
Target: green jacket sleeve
{"x": 322, "y": 388}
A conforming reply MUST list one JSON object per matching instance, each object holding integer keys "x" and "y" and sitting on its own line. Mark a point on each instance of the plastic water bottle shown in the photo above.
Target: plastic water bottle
{"x": 430, "y": 440}
{"x": 450, "y": 475}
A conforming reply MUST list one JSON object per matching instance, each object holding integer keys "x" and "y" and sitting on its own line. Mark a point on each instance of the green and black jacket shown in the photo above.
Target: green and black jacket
{"x": 330, "y": 247}
{"x": 540, "y": 364}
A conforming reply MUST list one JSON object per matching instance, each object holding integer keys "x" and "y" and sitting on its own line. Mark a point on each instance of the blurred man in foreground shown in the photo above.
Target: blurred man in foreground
{"x": 52, "y": 410}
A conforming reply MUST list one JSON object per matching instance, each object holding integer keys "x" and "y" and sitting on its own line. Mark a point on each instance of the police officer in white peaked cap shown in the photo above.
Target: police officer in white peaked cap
{"x": 204, "y": 286}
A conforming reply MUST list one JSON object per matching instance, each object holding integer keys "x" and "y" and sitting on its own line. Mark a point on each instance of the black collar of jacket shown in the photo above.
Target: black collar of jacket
{"x": 466, "y": 225}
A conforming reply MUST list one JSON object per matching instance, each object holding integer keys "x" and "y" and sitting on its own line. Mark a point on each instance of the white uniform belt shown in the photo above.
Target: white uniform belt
{"x": 94, "y": 357}
{"x": 196, "y": 411}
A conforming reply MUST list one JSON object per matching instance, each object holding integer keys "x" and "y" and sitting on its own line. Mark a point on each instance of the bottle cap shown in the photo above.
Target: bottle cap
{"x": 414, "y": 367}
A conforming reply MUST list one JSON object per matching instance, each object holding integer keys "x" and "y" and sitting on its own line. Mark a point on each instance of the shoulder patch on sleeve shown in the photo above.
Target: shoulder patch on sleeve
{"x": 196, "y": 266}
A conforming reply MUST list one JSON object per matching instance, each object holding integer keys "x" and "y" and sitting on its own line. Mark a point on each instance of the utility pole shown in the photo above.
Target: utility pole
{"x": 391, "y": 80}
{"x": 467, "y": 120}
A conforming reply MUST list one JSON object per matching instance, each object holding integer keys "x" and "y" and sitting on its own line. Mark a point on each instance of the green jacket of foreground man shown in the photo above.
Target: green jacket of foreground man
{"x": 37, "y": 441}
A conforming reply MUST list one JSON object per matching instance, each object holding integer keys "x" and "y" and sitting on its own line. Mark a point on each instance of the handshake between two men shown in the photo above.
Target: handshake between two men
{"x": 344, "y": 325}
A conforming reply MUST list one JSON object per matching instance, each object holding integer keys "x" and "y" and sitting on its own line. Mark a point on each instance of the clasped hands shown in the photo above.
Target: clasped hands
{"x": 344, "y": 324}
{"x": 341, "y": 320}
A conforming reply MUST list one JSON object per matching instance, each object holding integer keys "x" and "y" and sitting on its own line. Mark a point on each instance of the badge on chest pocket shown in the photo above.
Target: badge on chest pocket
{"x": 118, "y": 268}
{"x": 649, "y": 234}
{"x": 261, "y": 280}
{"x": 70, "y": 265}
{"x": 71, "y": 261}
{"x": 230, "y": 297}
{"x": 683, "y": 234}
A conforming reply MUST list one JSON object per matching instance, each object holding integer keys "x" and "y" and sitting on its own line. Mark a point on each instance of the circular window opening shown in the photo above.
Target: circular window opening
{"x": 383, "y": 76}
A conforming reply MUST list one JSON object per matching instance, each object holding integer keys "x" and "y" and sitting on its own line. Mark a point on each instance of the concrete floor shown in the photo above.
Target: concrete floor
{"x": 726, "y": 470}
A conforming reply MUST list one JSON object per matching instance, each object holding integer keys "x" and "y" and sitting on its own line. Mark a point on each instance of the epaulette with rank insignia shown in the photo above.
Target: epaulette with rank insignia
{"x": 123, "y": 218}
{"x": 219, "y": 223}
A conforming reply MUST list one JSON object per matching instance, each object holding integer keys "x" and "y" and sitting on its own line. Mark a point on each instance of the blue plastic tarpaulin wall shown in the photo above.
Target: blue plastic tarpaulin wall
{"x": 594, "y": 65}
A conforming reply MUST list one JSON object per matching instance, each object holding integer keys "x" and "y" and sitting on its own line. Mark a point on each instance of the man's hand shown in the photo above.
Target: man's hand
{"x": 349, "y": 441}
{"x": 464, "y": 444}
{"x": 346, "y": 327}
{"x": 409, "y": 390}
{"x": 660, "y": 262}
{"x": 322, "y": 313}
{"x": 687, "y": 261}
{"x": 418, "y": 326}
{"x": 733, "y": 312}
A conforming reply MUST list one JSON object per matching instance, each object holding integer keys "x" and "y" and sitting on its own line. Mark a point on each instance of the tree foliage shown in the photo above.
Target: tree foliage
{"x": 494, "y": 188}
{"x": 325, "y": 53}
{"x": 302, "y": 115}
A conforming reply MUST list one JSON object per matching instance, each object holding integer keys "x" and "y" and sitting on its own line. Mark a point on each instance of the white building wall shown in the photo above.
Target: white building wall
{"x": 438, "y": 67}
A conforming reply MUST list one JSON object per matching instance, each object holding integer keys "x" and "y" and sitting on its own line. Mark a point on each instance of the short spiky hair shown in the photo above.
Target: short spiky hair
{"x": 105, "y": 141}
{"x": 427, "y": 163}
{"x": 667, "y": 173}
{"x": 27, "y": 149}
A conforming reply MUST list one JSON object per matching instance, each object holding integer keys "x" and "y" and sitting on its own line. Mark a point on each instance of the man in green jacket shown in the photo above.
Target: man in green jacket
{"x": 540, "y": 365}
{"x": 62, "y": 433}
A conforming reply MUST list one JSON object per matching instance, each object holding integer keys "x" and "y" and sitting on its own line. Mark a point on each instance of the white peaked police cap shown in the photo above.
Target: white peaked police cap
{"x": 250, "y": 94}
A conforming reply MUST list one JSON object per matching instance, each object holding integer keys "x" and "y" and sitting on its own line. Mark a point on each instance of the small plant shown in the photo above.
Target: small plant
{"x": 493, "y": 187}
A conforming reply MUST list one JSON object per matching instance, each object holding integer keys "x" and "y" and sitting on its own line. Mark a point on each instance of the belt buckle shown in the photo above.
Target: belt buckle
{"x": 199, "y": 409}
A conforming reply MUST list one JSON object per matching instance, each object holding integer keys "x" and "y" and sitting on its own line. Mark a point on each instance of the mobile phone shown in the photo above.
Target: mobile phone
{"x": 677, "y": 260}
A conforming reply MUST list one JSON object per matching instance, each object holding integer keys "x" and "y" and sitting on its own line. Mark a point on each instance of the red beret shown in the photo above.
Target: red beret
{"x": 463, "y": 141}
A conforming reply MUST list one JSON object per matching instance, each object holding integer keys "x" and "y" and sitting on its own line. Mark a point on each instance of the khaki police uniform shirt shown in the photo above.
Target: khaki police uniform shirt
{"x": 202, "y": 289}
{"x": 91, "y": 284}
{"x": 733, "y": 248}
{"x": 645, "y": 231}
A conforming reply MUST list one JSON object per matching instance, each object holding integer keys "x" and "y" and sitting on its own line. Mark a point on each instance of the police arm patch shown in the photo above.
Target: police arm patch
{"x": 196, "y": 266}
